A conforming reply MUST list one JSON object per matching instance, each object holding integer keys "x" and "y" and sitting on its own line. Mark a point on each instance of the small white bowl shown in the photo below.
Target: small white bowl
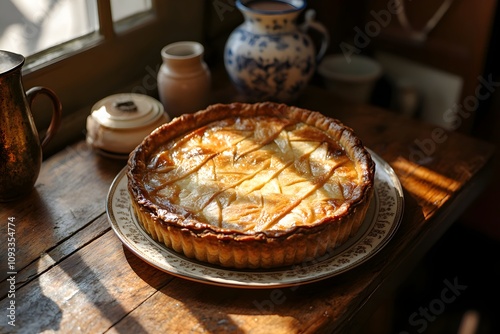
{"x": 118, "y": 123}
{"x": 352, "y": 78}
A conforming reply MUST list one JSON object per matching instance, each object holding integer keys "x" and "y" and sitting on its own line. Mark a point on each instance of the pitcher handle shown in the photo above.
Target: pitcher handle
{"x": 55, "y": 122}
{"x": 311, "y": 23}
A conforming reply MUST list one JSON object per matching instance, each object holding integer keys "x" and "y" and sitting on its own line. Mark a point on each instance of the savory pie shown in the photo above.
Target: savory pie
{"x": 251, "y": 185}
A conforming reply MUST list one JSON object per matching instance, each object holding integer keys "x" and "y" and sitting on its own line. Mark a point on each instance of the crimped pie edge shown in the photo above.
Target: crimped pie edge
{"x": 184, "y": 235}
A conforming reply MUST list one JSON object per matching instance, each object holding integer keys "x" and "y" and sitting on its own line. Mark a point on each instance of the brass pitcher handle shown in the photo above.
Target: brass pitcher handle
{"x": 311, "y": 23}
{"x": 55, "y": 122}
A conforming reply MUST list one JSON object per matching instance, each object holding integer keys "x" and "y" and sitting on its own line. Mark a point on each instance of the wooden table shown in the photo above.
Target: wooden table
{"x": 71, "y": 274}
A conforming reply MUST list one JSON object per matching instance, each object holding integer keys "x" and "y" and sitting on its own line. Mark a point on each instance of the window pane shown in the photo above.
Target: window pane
{"x": 122, "y": 9}
{"x": 27, "y": 26}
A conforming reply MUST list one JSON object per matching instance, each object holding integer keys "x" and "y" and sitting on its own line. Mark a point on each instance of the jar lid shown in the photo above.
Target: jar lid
{"x": 127, "y": 111}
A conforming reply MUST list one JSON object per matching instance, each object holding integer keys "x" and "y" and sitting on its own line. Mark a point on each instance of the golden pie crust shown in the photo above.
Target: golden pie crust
{"x": 251, "y": 185}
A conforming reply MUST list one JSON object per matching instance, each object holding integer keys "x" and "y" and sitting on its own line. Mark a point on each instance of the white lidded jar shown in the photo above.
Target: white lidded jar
{"x": 120, "y": 122}
{"x": 184, "y": 78}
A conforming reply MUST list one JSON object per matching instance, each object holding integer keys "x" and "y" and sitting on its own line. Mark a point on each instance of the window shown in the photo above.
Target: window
{"x": 29, "y": 27}
{"x": 122, "y": 9}
{"x": 87, "y": 49}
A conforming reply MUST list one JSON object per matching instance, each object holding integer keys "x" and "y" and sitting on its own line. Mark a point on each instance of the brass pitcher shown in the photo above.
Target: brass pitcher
{"x": 20, "y": 145}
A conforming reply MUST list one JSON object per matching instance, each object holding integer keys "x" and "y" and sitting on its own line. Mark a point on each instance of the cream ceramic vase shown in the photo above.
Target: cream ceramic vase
{"x": 184, "y": 79}
{"x": 269, "y": 56}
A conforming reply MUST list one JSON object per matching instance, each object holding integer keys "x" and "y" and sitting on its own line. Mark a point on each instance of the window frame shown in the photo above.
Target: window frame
{"x": 124, "y": 59}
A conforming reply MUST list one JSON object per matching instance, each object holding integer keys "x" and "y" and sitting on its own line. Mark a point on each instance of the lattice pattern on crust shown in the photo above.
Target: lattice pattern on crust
{"x": 253, "y": 174}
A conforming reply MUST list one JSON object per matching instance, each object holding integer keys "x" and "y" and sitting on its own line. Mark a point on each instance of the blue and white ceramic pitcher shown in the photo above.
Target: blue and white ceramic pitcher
{"x": 270, "y": 57}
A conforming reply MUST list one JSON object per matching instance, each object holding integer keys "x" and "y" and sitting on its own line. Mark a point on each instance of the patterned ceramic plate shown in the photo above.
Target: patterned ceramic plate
{"x": 381, "y": 222}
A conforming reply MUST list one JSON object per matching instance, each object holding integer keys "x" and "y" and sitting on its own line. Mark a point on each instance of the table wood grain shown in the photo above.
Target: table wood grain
{"x": 73, "y": 275}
